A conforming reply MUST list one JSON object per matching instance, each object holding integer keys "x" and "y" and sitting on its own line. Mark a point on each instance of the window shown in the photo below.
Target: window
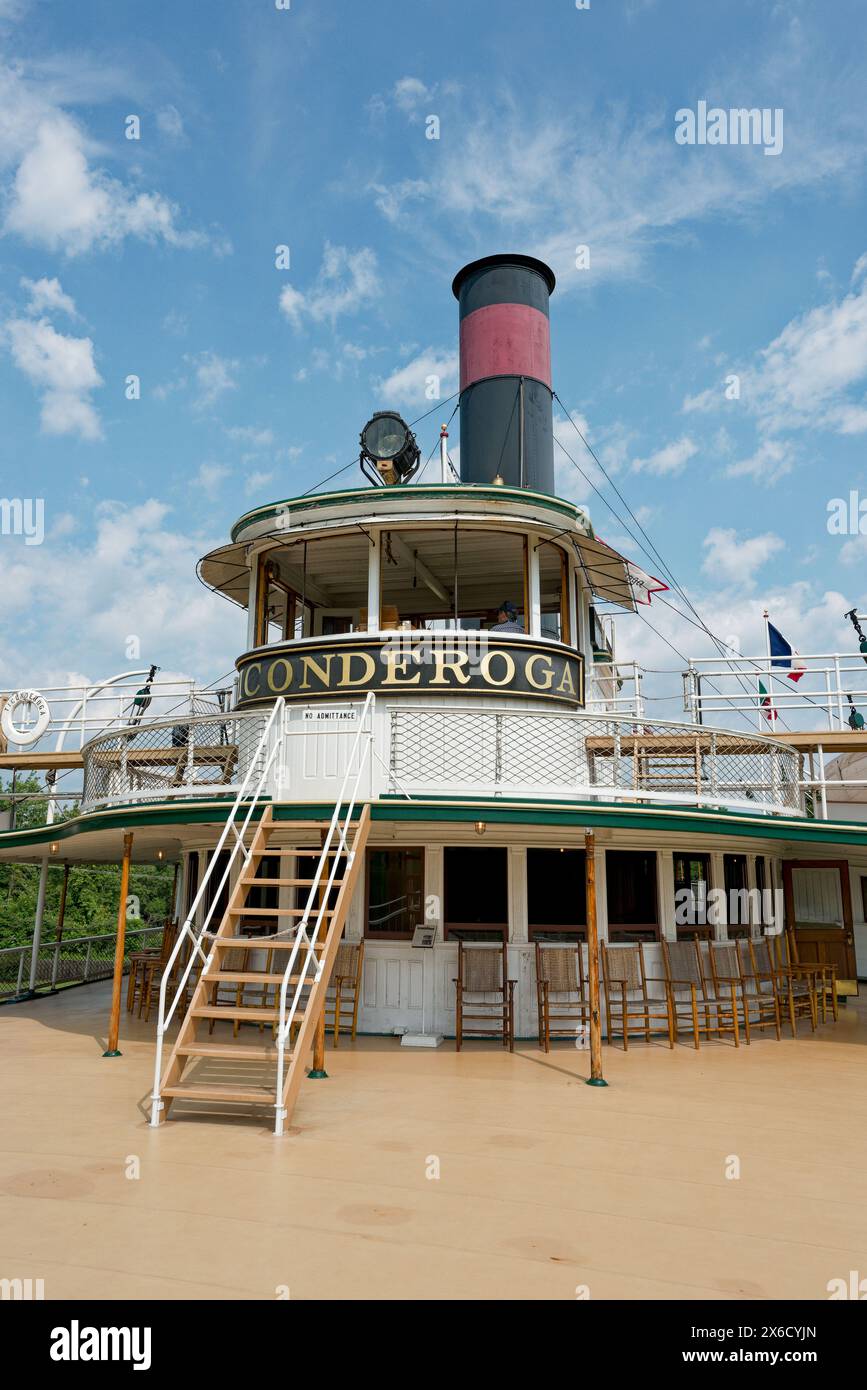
{"x": 222, "y": 898}
{"x": 556, "y": 895}
{"x": 441, "y": 578}
{"x": 630, "y": 878}
{"x": 737, "y": 897}
{"x": 764, "y": 885}
{"x": 192, "y": 879}
{"x": 476, "y": 893}
{"x": 554, "y": 592}
{"x": 692, "y": 876}
{"x": 395, "y": 893}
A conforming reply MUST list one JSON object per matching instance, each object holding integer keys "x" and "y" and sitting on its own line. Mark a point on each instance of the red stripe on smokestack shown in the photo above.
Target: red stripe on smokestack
{"x": 505, "y": 340}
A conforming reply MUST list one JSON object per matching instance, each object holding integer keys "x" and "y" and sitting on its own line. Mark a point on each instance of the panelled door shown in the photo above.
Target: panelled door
{"x": 819, "y": 910}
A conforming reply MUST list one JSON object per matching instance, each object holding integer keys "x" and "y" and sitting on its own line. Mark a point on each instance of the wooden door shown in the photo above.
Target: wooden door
{"x": 819, "y": 912}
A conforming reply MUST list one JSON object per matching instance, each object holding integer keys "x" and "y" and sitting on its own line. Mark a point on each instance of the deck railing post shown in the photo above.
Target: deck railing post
{"x": 114, "y": 1020}
{"x": 595, "y": 1078}
{"x": 37, "y": 923}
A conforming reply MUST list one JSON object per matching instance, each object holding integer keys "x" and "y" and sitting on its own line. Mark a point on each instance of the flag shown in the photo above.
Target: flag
{"x": 767, "y": 706}
{"x": 783, "y": 654}
{"x": 643, "y": 585}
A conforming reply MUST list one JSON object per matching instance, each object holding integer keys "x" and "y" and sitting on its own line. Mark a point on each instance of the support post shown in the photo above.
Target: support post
{"x": 595, "y": 1078}
{"x": 37, "y": 927}
{"x": 114, "y": 1019}
{"x": 61, "y": 911}
{"x": 317, "y": 1071}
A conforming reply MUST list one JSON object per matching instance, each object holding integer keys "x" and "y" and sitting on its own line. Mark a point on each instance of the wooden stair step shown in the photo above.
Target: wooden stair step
{"x": 247, "y": 1093}
{"x": 231, "y": 1051}
{"x": 253, "y": 943}
{"x": 275, "y": 912}
{"x": 244, "y": 977}
{"x": 308, "y": 851}
{"x": 249, "y": 1012}
{"x": 285, "y": 882}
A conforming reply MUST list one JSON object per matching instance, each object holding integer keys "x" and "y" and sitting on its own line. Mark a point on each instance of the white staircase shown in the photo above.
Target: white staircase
{"x": 290, "y": 996}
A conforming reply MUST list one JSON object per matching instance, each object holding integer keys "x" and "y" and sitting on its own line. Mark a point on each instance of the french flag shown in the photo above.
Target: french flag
{"x": 783, "y": 654}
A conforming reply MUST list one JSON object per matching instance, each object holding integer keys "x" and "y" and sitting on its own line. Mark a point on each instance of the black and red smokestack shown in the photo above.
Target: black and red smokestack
{"x": 506, "y": 410}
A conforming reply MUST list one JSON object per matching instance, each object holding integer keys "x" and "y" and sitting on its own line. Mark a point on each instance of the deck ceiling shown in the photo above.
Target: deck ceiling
{"x": 415, "y": 564}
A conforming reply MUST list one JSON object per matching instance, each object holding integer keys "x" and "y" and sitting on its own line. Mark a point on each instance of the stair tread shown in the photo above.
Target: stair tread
{"x": 230, "y": 1050}
{"x": 254, "y": 943}
{"x": 181, "y": 1092}
{"x": 246, "y": 977}
{"x": 274, "y": 911}
{"x": 254, "y": 1012}
{"x": 285, "y": 882}
{"x": 310, "y": 851}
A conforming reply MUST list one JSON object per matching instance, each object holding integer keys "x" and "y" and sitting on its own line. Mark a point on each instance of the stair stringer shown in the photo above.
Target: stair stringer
{"x": 316, "y": 999}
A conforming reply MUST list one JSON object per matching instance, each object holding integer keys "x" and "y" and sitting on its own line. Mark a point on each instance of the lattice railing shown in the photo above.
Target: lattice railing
{"x": 74, "y": 959}
{"x": 171, "y": 758}
{"x": 437, "y": 750}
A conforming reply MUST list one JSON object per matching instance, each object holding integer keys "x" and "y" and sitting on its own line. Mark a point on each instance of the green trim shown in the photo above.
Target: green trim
{"x": 318, "y": 501}
{"x": 460, "y": 810}
{"x": 614, "y": 816}
{"x": 124, "y": 817}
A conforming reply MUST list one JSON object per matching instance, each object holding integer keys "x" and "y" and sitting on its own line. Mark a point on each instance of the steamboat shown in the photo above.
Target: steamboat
{"x": 432, "y": 800}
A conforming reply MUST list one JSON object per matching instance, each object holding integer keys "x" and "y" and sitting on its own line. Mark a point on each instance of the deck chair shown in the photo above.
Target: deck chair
{"x": 626, "y": 995}
{"x": 344, "y": 993}
{"x": 760, "y": 988}
{"x": 482, "y": 971}
{"x": 725, "y": 970}
{"x": 824, "y": 976}
{"x": 796, "y": 990}
{"x": 690, "y": 994}
{"x": 561, "y": 992}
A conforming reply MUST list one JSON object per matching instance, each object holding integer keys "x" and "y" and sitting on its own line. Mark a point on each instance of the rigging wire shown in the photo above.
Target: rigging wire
{"x": 720, "y": 645}
{"x": 652, "y": 552}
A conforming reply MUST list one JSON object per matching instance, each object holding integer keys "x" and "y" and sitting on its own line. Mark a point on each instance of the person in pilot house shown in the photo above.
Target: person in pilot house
{"x": 507, "y": 619}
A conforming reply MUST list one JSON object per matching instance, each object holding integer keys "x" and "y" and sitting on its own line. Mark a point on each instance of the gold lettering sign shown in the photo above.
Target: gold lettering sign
{"x": 468, "y": 664}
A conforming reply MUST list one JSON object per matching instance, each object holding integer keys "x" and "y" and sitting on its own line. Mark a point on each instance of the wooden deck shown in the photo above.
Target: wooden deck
{"x": 545, "y": 1184}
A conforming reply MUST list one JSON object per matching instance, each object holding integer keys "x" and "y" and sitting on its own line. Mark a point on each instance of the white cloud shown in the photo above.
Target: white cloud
{"x": 63, "y": 370}
{"x": 55, "y": 196}
{"x": 58, "y": 201}
{"x": 133, "y": 575}
{"x": 256, "y": 482}
{"x": 214, "y": 377}
{"x": 347, "y": 282}
{"x": 733, "y": 559}
{"x": 813, "y": 375}
{"x": 170, "y": 123}
{"x": 770, "y": 462}
{"x": 249, "y": 434}
{"x": 391, "y": 198}
{"x": 410, "y": 94}
{"x": 209, "y": 478}
{"x": 409, "y": 384}
{"x": 539, "y": 183}
{"x": 803, "y": 376}
{"x": 670, "y": 459}
{"x": 48, "y": 295}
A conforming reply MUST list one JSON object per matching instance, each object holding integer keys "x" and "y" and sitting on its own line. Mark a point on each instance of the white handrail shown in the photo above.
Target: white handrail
{"x": 276, "y": 716}
{"x": 311, "y": 941}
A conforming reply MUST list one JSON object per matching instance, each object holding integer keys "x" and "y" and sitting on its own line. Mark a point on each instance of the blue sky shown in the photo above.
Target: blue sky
{"x": 307, "y": 127}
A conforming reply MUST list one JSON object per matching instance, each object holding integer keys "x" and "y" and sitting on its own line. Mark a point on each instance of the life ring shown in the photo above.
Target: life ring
{"x": 24, "y": 737}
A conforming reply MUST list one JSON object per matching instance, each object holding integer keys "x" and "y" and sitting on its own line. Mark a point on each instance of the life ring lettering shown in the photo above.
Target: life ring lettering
{"x": 31, "y": 732}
